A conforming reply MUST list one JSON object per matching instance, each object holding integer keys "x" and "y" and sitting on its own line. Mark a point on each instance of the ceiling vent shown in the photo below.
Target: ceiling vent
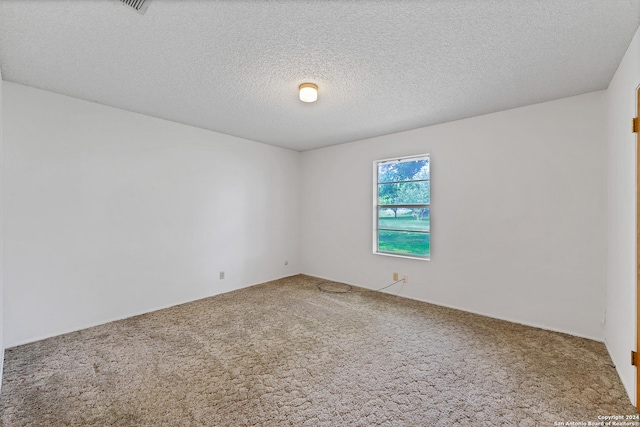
{"x": 139, "y": 5}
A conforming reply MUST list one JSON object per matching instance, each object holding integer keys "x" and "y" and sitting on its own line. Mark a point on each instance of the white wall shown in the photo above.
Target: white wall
{"x": 517, "y": 214}
{"x": 110, "y": 213}
{"x": 1, "y": 243}
{"x": 620, "y": 327}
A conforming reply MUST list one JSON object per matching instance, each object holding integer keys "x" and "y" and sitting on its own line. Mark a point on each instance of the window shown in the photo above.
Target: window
{"x": 402, "y": 207}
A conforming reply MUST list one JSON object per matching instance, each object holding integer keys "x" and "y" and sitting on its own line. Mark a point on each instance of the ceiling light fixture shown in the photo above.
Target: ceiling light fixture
{"x": 308, "y": 92}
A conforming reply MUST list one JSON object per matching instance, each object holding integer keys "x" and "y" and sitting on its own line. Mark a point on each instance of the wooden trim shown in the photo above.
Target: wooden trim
{"x": 635, "y": 121}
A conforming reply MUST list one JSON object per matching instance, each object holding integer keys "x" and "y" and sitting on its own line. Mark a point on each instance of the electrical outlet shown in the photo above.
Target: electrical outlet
{"x": 221, "y": 275}
{"x": 405, "y": 278}
{"x": 395, "y": 276}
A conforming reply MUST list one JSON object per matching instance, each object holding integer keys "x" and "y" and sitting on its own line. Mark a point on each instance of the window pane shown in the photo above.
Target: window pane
{"x": 404, "y": 243}
{"x": 403, "y": 171}
{"x": 404, "y": 193}
{"x": 404, "y": 219}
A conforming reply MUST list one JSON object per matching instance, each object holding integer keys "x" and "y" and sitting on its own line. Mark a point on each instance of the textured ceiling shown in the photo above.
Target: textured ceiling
{"x": 381, "y": 66}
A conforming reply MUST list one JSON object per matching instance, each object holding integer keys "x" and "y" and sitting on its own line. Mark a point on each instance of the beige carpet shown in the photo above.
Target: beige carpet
{"x": 286, "y": 354}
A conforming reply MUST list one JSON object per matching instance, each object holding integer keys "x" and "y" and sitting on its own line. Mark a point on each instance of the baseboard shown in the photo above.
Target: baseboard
{"x": 519, "y": 322}
{"x": 1, "y": 367}
{"x": 127, "y": 316}
{"x": 630, "y": 390}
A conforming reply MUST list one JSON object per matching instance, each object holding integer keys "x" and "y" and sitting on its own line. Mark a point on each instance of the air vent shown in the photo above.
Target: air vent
{"x": 139, "y": 5}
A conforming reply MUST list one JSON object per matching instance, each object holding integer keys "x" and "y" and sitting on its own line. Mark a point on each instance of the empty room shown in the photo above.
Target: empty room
{"x": 218, "y": 213}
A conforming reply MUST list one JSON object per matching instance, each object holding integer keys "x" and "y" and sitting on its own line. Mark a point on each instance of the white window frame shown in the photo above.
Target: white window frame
{"x": 376, "y": 205}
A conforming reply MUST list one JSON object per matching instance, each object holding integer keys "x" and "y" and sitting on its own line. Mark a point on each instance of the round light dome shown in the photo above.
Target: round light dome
{"x": 308, "y": 92}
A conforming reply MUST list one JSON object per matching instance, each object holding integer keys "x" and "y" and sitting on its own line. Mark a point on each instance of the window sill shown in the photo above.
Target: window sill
{"x": 403, "y": 256}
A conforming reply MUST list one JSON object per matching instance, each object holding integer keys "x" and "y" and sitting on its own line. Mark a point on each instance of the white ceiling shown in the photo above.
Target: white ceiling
{"x": 381, "y": 66}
